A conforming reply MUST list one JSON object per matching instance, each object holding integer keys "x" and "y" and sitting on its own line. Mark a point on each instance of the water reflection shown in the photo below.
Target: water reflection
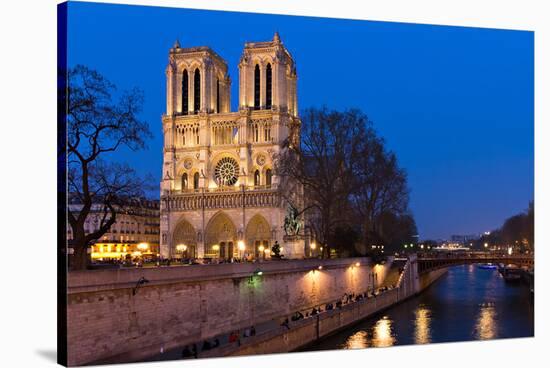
{"x": 467, "y": 304}
{"x": 486, "y": 326}
{"x": 383, "y": 335}
{"x": 357, "y": 341}
{"x": 422, "y": 333}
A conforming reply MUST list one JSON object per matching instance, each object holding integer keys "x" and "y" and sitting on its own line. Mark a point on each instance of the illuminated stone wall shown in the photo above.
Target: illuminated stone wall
{"x": 181, "y": 305}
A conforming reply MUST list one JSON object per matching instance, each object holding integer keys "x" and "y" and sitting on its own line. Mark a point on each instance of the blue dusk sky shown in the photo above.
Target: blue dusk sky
{"x": 455, "y": 104}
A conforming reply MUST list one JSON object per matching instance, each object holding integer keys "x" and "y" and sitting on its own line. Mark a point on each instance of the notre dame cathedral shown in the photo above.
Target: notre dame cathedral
{"x": 219, "y": 188}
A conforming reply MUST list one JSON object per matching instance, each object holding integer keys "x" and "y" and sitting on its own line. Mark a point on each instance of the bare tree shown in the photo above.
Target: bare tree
{"x": 349, "y": 180}
{"x": 380, "y": 188}
{"x": 321, "y": 167}
{"x": 97, "y": 125}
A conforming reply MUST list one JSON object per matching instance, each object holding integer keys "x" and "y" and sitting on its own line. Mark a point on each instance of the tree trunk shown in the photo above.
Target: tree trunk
{"x": 81, "y": 259}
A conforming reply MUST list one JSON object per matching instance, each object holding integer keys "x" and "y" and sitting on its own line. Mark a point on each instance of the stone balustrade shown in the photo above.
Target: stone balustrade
{"x": 210, "y": 199}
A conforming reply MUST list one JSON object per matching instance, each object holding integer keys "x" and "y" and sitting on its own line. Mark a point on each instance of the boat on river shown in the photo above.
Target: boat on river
{"x": 487, "y": 266}
{"x": 511, "y": 273}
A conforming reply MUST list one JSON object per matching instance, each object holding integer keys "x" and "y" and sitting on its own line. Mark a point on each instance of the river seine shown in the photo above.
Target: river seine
{"x": 467, "y": 303}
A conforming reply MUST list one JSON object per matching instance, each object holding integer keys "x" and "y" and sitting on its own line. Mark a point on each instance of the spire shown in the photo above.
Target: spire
{"x": 276, "y": 37}
{"x": 177, "y": 44}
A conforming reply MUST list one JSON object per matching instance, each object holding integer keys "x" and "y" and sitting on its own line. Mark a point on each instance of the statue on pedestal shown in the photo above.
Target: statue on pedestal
{"x": 292, "y": 224}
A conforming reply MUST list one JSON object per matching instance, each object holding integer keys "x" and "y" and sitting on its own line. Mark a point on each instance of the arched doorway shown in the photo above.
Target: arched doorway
{"x": 184, "y": 240}
{"x": 258, "y": 236}
{"x": 221, "y": 237}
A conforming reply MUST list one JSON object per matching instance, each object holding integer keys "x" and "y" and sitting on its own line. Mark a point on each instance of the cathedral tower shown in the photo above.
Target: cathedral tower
{"x": 267, "y": 77}
{"x": 219, "y": 189}
{"x": 197, "y": 81}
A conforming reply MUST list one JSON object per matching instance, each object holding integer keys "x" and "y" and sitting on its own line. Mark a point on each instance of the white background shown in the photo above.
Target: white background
{"x": 28, "y": 181}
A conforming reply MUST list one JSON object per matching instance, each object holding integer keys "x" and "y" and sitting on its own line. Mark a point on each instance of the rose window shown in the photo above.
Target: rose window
{"x": 226, "y": 171}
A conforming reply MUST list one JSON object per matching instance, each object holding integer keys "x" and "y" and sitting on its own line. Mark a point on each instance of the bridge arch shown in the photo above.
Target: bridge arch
{"x": 427, "y": 264}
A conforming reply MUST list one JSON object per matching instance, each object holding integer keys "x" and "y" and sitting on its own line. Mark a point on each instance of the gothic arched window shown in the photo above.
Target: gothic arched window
{"x": 268, "y": 86}
{"x": 184, "y": 181}
{"x": 257, "y": 87}
{"x": 185, "y": 93}
{"x": 217, "y": 95}
{"x": 196, "y": 181}
{"x": 256, "y": 178}
{"x": 197, "y": 91}
{"x": 268, "y": 176}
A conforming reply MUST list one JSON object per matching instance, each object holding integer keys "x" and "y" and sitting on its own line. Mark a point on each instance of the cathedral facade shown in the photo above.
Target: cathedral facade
{"x": 219, "y": 190}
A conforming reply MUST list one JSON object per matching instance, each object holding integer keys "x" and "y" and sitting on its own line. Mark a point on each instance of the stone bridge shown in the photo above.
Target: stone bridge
{"x": 430, "y": 262}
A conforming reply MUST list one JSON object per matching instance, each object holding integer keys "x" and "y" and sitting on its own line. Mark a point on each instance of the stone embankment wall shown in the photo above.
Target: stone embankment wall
{"x": 305, "y": 332}
{"x": 108, "y": 322}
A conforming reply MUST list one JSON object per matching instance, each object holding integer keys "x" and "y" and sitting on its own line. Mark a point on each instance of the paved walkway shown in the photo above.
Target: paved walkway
{"x": 261, "y": 328}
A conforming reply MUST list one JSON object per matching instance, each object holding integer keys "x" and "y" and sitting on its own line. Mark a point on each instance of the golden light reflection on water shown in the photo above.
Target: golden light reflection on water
{"x": 358, "y": 340}
{"x": 382, "y": 333}
{"x": 382, "y": 336}
{"x": 422, "y": 331}
{"x": 486, "y": 327}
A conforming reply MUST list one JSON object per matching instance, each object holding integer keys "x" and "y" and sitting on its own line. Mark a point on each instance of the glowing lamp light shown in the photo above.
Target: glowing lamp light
{"x": 143, "y": 246}
{"x": 266, "y": 251}
{"x": 510, "y": 251}
{"x": 240, "y": 245}
{"x": 281, "y": 249}
{"x": 216, "y": 247}
{"x": 258, "y": 272}
{"x": 313, "y": 245}
{"x": 320, "y": 267}
{"x": 261, "y": 248}
{"x": 485, "y": 245}
{"x": 181, "y": 247}
{"x": 357, "y": 264}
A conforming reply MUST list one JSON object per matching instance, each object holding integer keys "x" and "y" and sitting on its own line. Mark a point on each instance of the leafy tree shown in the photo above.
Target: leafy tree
{"x": 97, "y": 125}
